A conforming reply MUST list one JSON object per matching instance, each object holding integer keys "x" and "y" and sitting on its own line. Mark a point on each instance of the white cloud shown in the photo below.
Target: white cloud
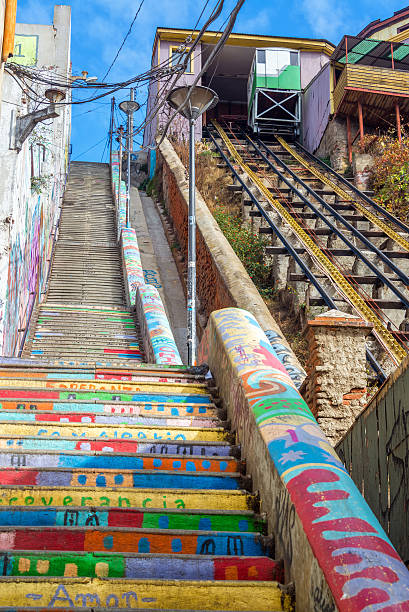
{"x": 326, "y": 19}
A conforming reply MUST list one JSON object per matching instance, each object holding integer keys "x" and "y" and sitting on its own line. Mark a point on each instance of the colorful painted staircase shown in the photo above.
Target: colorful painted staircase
{"x": 85, "y": 315}
{"x": 124, "y": 489}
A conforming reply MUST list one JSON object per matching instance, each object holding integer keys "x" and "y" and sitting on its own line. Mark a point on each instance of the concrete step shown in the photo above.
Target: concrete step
{"x": 192, "y": 499}
{"x": 94, "y": 430}
{"x": 85, "y": 408}
{"x": 162, "y": 518}
{"x": 134, "y": 540}
{"x": 178, "y": 594}
{"x": 183, "y": 448}
{"x": 106, "y": 460}
{"x": 157, "y": 478}
{"x": 140, "y": 566}
{"x": 119, "y": 419}
{"x": 75, "y": 393}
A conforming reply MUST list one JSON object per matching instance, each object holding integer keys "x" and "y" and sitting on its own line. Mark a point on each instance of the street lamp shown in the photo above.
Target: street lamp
{"x": 26, "y": 123}
{"x": 201, "y": 99}
{"x": 129, "y": 107}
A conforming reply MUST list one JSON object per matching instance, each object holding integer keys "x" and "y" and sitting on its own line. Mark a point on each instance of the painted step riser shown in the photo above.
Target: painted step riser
{"x": 100, "y": 356}
{"x": 99, "y": 385}
{"x": 78, "y": 430}
{"x": 119, "y": 375}
{"x": 142, "y": 410}
{"x": 118, "y": 462}
{"x": 29, "y": 417}
{"x": 126, "y": 445}
{"x": 102, "y": 478}
{"x": 121, "y": 517}
{"x": 139, "y": 567}
{"x": 119, "y": 396}
{"x": 127, "y": 498}
{"x": 134, "y": 541}
{"x": 180, "y": 595}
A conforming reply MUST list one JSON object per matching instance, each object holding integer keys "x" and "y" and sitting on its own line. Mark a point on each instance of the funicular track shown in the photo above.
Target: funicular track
{"x": 350, "y": 250}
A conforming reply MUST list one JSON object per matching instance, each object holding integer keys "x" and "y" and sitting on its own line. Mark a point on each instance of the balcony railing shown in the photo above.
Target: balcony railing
{"x": 370, "y": 79}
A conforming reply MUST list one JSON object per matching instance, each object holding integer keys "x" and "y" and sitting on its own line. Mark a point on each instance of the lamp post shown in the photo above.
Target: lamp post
{"x": 201, "y": 100}
{"x": 129, "y": 107}
{"x": 26, "y": 123}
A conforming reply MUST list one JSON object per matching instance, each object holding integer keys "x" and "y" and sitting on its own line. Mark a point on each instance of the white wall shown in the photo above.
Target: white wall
{"x": 32, "y": 180}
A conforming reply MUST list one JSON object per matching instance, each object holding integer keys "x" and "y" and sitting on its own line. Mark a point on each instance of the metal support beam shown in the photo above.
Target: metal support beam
{"x": 349, "y": 139}
{"x": 361, "y": 124}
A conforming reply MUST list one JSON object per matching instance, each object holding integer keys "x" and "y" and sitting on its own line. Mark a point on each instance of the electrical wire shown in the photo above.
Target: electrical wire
{"x": 214, "y": 53}
{"x": 124, "y": 41}
{"x": 90, "y": 149}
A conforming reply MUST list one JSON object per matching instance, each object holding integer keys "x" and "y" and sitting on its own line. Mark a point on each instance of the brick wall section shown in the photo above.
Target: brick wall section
{"x": 213, "y": 293}
{"x": 222, "y": 281}
{"x": 336, "y": 387}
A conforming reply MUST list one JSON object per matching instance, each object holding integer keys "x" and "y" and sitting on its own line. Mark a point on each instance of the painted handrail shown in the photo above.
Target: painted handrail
{"x": 159, "y": 342}
{"x": 334, "y": 548}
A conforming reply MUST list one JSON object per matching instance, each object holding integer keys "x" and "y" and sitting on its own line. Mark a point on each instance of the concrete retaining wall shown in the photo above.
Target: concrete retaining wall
{"x": 335, "y": 551}
{"x": 222, "y": 280}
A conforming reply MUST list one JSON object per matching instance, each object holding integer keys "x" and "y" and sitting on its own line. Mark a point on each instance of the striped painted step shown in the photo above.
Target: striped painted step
{"x": 145, "y": 386}
{"x": 147, "y": 518}
{"x": 191, "y": 499}
{"x": 135, "y": 540}
{"x": 98, "y": 460}
{"x": 124, "y": 419}
{"x": 93, "y": 430}
{"x": 124, "y": 408}
{"x": 110, "y": 396}
{"x": 238, "y": 596}
{"x": 123, "y": 445}
{"x": 139, "y": 566}
{"x": 124, "y": 478}
{"x": 114, "y": 375}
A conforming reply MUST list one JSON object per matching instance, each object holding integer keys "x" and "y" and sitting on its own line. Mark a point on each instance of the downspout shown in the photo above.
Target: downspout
{"x": 9, "y": 29}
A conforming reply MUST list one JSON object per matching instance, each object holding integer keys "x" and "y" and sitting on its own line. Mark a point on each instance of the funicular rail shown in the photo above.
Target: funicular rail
{"x": 321, "y": 256}
{"x": 354, "y": 200}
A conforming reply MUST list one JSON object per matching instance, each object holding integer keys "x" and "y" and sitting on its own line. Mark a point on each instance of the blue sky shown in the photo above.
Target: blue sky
{"x": 98, "y": 28}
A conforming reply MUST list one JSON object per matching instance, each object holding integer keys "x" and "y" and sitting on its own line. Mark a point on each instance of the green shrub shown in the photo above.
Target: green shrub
{"x": 248, "y": 246}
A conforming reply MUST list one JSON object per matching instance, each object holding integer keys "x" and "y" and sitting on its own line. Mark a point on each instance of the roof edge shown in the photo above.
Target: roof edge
{"x": 248, "y": 40}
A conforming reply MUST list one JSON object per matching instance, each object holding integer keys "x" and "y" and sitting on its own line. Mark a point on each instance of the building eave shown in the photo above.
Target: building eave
{"x": 249, "y": 40}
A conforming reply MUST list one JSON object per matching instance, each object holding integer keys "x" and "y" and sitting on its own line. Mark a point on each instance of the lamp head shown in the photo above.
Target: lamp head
{"x": 201, "y": 100}
{"x": 129, "y": 106}
{"x": 55, "y": 95}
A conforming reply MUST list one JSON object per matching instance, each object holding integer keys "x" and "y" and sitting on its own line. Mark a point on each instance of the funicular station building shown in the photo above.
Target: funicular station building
{"x": 323, "y": 95}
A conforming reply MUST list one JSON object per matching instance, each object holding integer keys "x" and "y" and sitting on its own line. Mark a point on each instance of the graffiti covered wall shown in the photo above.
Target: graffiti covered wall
{"x": 32, "y": 181}
{"x": 334, "y": 548}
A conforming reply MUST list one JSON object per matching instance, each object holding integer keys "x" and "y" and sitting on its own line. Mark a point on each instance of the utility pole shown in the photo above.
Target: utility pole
{"x": 121, "y": 133}
{"x": 111, "y": 128}
{"x": 129, "y": 107}
{"x": 130, "y": 142}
